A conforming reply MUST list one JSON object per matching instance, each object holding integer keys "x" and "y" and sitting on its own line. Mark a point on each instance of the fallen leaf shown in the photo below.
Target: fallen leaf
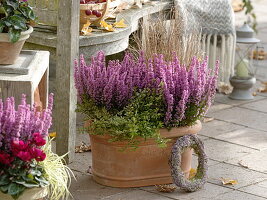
{"x": 262, "y": 89}
{"x": 86, "y": 30}
{"x": 53, "y": 134}
{"x": 208, "y": 119}
{"x": 89, "y": 170}
{"x": 82, "y": 148}
{"x": 165, "y": 188}
{"x": 120, "y": 24}
{"x": 226, "y": 181}
{"x": 107, "y": 26}
{"x": 224, "y": 88}
{"x": 192, "y": 173}
{"x": 242, "y": 164}
{"x": 254, "y": 94}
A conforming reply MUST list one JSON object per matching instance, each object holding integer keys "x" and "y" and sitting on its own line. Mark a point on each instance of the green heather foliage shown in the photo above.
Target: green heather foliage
{"x": 15, "y": 15}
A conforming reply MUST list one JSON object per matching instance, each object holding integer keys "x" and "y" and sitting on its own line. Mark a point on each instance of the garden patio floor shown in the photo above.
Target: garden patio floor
{"x": 235, "y": 142}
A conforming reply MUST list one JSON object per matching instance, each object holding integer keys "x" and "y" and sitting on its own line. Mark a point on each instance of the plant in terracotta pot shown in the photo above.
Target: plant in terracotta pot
{"x": 28, "y": 168}
{"x": 136, "y": 110}
{"x": 15, "y": 19}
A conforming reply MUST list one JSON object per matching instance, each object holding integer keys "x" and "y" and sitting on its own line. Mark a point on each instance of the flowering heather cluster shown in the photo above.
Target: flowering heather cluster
{"x": 186, "y": 90}
{"x": 21, "y": 124}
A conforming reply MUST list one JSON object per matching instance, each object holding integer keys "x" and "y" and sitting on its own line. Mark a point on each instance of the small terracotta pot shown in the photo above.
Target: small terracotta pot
{"x": 28, "y": 194}
{"x": 9, "y": 51}
{"x": 147, "y": 165}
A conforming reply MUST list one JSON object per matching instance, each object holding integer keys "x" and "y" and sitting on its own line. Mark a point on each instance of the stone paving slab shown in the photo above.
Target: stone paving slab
{"x": 259, "y": 189}
{"x": 237, "y": 195}
{"x": 255, "y": 161}
{"x": 85, "y": 188}
{"x": 216, "y": 106}
{"x": 217, "y": 127}
{"x": 257, "y": 105}
{"x": 244, "y": 176}
{"x": 247, "y": 137}
{"x": 224, "y": 99}
{"x": 136, "y": 195}
{"x": 243, "y": 116}
{"x": 223, "y": 151}
{"x": 210, "y": 191}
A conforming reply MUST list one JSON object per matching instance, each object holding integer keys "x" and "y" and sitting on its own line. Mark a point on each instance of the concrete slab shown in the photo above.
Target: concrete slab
{"x": 238, "y": 196}
{"x": 256, "y": 161}
{"x": 210, "y": 191}
{"x": 247, "y": 137}
{"x": 85, "y": 188}
{"x": 224, "y": 99}
{"x": 242, "y": 116}
{"x": 217, "y": 127}
{"x": 223, "y": 151}
{"x": 136, "y": 195}
{"x": 257, "y": 105}
{"x": 259, "y": 189}
{"x": 244, "y": 176}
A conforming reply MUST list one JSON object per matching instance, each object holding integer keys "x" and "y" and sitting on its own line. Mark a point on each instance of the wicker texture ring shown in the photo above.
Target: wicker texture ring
{"x": 198, "y": 181}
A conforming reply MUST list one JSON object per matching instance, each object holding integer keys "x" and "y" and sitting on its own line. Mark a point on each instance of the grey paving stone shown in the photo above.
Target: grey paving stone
{"x": 258, "y": 105}
{"x": 210, "y": 191}
{"x": 244, "y": 176}
{"x": 242, "y": 116}
{"x": 82, "y": 162}
{"x": 247, "y": 137}
{"x": 256, "y": 161}
{"x": 223, "y": 151}
{"x": 218, "y": 106}
{"x": 136, "y": 195}
{"x": 238, "y": 196}
{"x": 259, "y": 189}
{"x": 217, "y": 127}
{"x": 221, "y": 98}
{"x": 86, "y": 189}
{"x": 195, "y": 162}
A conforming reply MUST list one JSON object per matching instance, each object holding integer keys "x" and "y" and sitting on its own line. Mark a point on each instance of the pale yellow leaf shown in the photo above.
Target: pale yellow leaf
{"x": 86, "y": 30}
{"x": 226, "y": 181}
{"x": 53, "y": 134}
{"x": 120, "y": 24}
{"x": 192, "y": 173}
{"x": 242, "y": 164}
{"x": 107, "y": 26}
{"x": 208, "y": 119}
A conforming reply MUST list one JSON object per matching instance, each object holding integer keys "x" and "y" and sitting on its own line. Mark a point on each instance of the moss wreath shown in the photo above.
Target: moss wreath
{"x": 198, "y": 181}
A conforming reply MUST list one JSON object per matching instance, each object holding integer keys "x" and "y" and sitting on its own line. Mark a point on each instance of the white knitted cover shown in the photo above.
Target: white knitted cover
{"x": 216, "y": 20}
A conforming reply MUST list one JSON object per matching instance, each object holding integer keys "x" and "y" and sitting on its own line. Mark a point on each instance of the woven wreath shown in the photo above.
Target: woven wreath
{"x": 198, "y": 181}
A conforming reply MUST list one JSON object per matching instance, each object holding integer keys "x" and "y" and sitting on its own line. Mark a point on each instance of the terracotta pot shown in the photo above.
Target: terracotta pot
{"x": 28, "y": 194}
{"x": 9, "y": 51}
{"x": 148, "y": 165}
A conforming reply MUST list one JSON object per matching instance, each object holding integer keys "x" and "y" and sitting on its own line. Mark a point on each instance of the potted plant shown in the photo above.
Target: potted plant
{"x": 15, "y": 19}
{"x": 29, "y": 170}
{"x": 136, "y": 110}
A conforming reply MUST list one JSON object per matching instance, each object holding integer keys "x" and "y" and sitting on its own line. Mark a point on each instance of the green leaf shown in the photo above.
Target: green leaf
{"x": 4, "y": 180}
{"x": 13, "y": 189}
{"x": 27, "y": 12}
{"x": 27, "y": 185}
{"x": 2, "y": 26}
{"x": 13, "y": 4}
{"x": 14, "y": 35}
{"x": 4, "y": 188}
{"x": 42, "y": 180}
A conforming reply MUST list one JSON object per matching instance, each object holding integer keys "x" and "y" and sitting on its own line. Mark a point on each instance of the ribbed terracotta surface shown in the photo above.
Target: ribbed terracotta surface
{"x": 148, "y": 165}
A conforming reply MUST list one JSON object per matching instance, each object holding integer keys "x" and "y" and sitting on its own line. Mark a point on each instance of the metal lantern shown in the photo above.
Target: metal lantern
{"x": 243, "y": 79}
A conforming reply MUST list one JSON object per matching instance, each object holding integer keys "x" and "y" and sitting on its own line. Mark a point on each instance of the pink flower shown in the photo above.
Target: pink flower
{"x": 38, "y": 154}
{"x": 38, "y": 139}
{"x": 24, "y": 155}
{"x": 17, "y": 146}
{"x": 5, "y": 158}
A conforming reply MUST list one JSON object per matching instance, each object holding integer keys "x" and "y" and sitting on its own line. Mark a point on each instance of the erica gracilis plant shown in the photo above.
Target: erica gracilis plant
{"x": 183, "y": 94}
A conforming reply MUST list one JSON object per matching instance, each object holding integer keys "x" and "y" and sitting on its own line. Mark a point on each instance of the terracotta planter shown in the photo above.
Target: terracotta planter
{"x": 29, "y": 194}
{"x": 9, "y": 51}
{"x": 148, "y": 165}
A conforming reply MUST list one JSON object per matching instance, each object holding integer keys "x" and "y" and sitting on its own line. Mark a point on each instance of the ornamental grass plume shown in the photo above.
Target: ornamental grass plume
{"x": 187, "y": 91}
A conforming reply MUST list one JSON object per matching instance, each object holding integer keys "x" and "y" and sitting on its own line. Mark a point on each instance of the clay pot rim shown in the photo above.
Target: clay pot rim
{"x": 164, "y": 132}
{"x": 4, "y": 37}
